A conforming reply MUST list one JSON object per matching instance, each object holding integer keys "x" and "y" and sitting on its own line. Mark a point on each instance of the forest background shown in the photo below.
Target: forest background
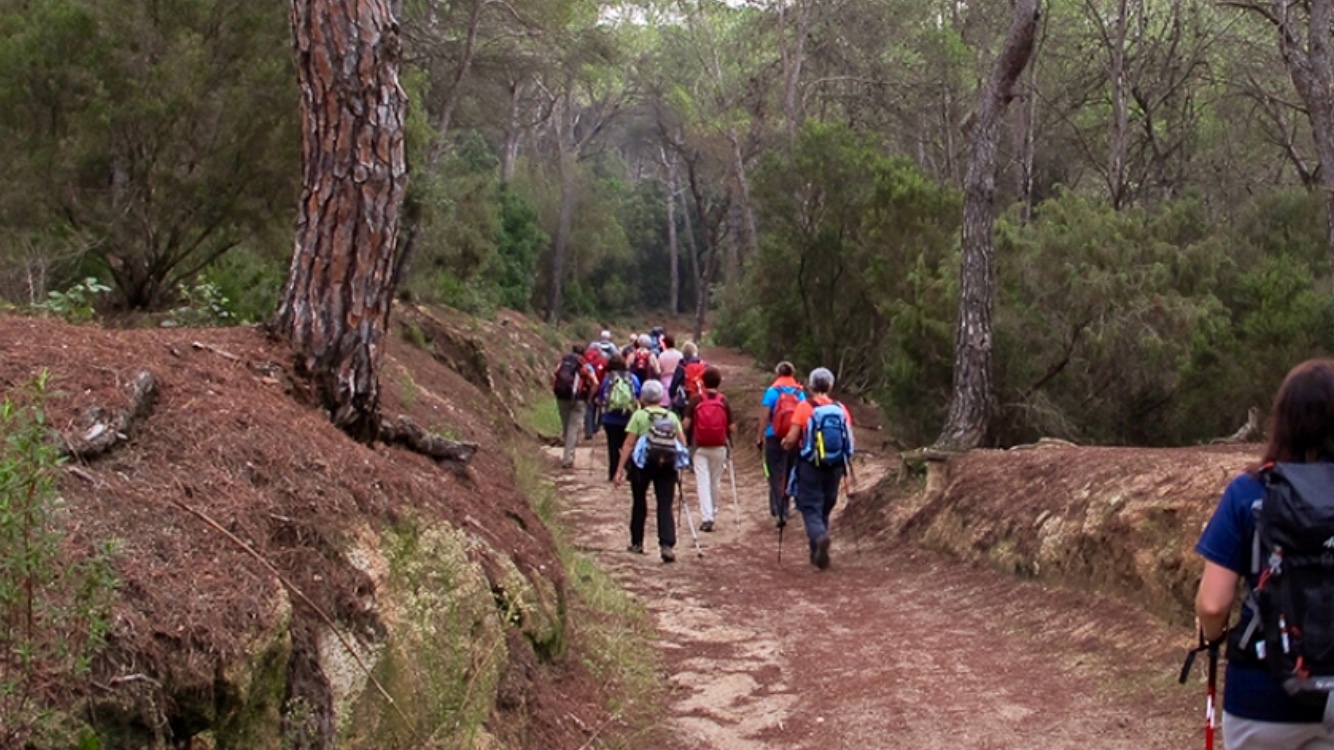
{"x": 791, "y": 167}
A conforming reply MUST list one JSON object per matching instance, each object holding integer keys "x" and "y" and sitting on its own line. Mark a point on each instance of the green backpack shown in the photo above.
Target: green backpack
{"x": 621, "y": 395}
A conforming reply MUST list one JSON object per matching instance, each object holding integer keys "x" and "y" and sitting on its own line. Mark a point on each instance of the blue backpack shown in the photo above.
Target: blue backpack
{"x": 828, "y": 439}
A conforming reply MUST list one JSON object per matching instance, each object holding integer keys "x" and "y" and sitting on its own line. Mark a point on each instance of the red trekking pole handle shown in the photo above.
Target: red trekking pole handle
{"x": 1211, "y": 680}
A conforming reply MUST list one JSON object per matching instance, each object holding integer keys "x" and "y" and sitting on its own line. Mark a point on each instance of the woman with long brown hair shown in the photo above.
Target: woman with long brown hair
{"x": 1258, "y": 713}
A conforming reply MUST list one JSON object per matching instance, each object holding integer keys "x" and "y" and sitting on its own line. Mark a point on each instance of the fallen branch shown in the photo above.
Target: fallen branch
{"x": 103, "y": 434}
{"x": 1251, "y": 432}
{"x": 403, "y": 431}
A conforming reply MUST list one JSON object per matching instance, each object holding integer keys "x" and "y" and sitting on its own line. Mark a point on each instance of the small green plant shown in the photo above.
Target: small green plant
{"x": 413, "y": 334}
{"x": 75, "y": 304}
{"x": 407, "y": 390}
{"x": 203, "y": 304}
{"x": 52, "y": 608}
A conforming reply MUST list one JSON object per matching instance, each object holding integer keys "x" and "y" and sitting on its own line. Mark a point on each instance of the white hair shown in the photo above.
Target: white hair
{"x": 651, "y": 393}
{"x": 821, "y": 380}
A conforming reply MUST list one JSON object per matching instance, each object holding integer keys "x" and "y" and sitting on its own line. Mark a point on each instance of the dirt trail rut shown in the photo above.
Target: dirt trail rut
{"x": 892, "y": 647}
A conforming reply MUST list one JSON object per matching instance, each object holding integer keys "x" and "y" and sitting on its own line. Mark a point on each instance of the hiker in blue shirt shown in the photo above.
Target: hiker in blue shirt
{"x": 779, "y": 403}
{"x": 1257, "y": 712}
{"x": 617, "y": 407}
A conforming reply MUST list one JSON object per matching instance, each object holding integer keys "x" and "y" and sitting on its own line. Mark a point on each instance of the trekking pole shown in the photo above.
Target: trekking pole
{"x": 1211, "y": 681}
{"x": 693, "y": 534}
{"x": 731, "y": 472}
{"x": 856, "y": 527}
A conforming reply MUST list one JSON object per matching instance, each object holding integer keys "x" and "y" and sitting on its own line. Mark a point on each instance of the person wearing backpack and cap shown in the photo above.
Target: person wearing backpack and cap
{"x": 619, "y": 398}
{"x": 653, "y": 438}
{"x": 779, "y": 403}
{"x": 821, "y": 433}
{"x": 573, "y": 385}
{"x": 604, "y": 344}
{"x": 688, "y": 381}
{"x": 1257, "y": 711}
{"x": 708, "y": 422}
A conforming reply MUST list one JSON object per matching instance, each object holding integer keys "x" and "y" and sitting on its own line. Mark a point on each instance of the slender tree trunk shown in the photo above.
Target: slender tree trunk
{"x": 673, "y": 250}
{"x": 750, "y": 242}
{"x": 692, "y": 256}
{"x": 509, "y": 155}
{"x": 1312, "y": 71}
{"x": 793, "y": 53}
{"x": 1120, "y": 124}
{"x": 335, "y": 305}
{"x": 970, "y": 408}
{"x": 560, "y": 243}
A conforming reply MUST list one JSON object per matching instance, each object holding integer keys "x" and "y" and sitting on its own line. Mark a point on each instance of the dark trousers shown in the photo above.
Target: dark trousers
{"x": 592, "y": 418}
{"x": 779, "y": 463}
{"x": 615, "y": 439}
{"x": 817, "y": 493}
{"x": 663, "y": 481}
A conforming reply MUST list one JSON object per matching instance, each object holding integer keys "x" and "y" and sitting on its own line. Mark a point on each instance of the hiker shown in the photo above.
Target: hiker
{"x": 629, "y": 349}
{"x": 667, "y": 362}
{"x": 619, "y": 398}
{"x": 655, "y": 442}
{"x": 779, "y": 403}
{"x": 572, "y": 384}
{"x": 593, "y": 412}
{"x": 642, "y": 363}
{"x": 655, "y": 335}
{"x": 688, "y": 381}
{"x": 708, "y": 422}
{"x": 1257, "y": 711}
{"x": 605, "y": 346}
{"x": 822, "y": 427}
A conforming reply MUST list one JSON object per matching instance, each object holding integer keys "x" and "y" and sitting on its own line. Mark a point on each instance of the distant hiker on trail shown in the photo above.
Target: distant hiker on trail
{"x": 688, "y": 380}
{"x": 605, "y": 346}
{"x": 822, "y": 429}
{"x": 1286, "y": 626}
{"x": 655, "y": 335}
{"x": 708, "y": 421}
{"x": 667, "y": 362}
{"x": 573, "y": 385}
{"x": 618, "y": 398}
{"x": 655, "y": 447}
{"x": 779, "y": 404}
{"x": 593, "y": 413}
{"x": 629, "y": 348}
{"x": 642, "y": 362}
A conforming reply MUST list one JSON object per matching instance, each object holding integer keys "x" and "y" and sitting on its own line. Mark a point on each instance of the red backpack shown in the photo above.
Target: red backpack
{"x": 694, "y": 379}
{"x": 710, "y": 424}
{"x": 594, "y": 357}
{"x": 781, "y": 416}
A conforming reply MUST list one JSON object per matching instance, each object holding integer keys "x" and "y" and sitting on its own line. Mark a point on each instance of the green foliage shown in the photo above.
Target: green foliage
{"x": 52, "y": 609}
{"x": 163, "y": 133}
{"x": 76, "y": 304}
{"x": 854, "y": 270}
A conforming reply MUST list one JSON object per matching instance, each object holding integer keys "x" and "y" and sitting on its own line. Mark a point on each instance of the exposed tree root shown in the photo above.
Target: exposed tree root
{"x": 403, "y": 431}
{"x": 105, "y": 431}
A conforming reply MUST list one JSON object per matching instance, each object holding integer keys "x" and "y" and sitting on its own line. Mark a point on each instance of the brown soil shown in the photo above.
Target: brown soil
{"x": 893, "y": 646}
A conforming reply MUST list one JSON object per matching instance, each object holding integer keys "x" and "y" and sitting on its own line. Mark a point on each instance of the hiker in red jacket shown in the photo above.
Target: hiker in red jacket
{"x": 708, "y": 421}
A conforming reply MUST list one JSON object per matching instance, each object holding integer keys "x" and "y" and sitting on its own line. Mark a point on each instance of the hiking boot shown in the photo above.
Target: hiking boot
{"x": 638, "y": 549}
{"x": 706, "y": 526}
{"x": 821, "y": 554}
{"x": 668, "y": 555}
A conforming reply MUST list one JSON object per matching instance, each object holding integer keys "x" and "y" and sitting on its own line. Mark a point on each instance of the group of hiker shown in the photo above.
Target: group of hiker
{"x": 663, "y": 413}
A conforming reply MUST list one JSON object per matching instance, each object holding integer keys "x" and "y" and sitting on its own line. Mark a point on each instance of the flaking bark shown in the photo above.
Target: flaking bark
{"x": 335, "y": 305}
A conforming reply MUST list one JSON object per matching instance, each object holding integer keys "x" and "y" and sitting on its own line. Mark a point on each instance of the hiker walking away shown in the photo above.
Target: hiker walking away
{"x": 642, "y": 363}
{"x": 667, "y": 363}
{"x": 606, "y": 347}
{"x": 655, "y": 335}
{"x": 629, "y": 349}
{"x": 822, "y": 427}
{"x": 708, "y": 422}
{"x": 688, "y": 381}
{"x": 1287, "y": 621}
{"x": 779, "y": 403}
{"x": 655, "y": 449}
{"x": 618, "y": 398}
{"x": 572, "y": 384}
{"x": 593, "y": 412}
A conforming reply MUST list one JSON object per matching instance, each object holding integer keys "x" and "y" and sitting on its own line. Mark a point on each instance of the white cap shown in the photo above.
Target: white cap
{"x": 605, "y": 335}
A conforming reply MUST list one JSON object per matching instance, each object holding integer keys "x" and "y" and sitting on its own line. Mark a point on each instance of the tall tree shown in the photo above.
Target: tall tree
{"x": 335, "y": 305}
{"x": 970, "y": 406}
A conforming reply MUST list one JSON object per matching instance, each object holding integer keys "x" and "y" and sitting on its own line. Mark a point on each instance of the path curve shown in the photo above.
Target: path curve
{"x": 892, "y": 647}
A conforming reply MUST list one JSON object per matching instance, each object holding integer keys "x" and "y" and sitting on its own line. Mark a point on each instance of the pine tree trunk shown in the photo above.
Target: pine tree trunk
{"x": 970, "y": 408}
{"x": 335, "y": 305}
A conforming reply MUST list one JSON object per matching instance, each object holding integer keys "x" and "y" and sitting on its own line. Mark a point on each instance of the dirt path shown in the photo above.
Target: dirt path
{"x": 891, "y": 647}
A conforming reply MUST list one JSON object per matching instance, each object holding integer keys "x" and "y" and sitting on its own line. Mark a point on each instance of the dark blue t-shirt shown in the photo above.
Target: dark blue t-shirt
{"x": 1250, "y": 692}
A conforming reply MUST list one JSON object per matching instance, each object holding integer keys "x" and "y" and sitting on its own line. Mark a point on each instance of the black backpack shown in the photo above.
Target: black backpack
{"x": 1292, "y": 624}
{"x": 562, "y": 382}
